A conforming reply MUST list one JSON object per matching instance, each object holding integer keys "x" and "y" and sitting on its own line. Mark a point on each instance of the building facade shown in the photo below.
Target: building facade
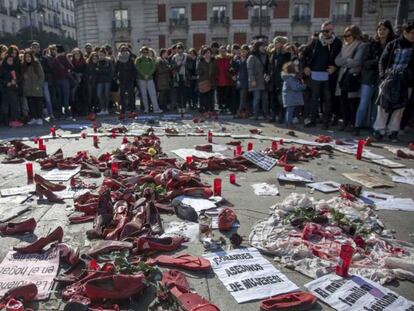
{"x": 55, "y": 16}
{"x": 197, "y": 22}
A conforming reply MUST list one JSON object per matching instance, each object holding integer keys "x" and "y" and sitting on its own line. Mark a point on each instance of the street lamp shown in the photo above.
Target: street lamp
{"x": 261, "y": 4}
{"x": 21, "y": 11}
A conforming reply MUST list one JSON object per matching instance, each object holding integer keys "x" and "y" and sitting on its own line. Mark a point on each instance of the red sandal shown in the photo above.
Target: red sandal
{"x": 292, "y": 301}
{"x": 184, "y": 261}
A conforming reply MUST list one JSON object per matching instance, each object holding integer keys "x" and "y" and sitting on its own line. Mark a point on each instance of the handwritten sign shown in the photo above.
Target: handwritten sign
{"x": 357, "y": 293}
{"x": 61, "y": 175}
{"x": 19, "y": 269}
{"x": 247, "y": 275}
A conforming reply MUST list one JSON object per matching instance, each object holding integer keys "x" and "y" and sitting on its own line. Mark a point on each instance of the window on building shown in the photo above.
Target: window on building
{"x": 219, "y": 12}
{"x": 121, "y": 18}
{"x": 256, "y": 10}
{"x": 342, "y": 9}
{"x": 3, "y": 26}
{"x": 175, "y": 41}
{"x": 301, "y": 9}
{"x": 177, "y": 13}
{"x": 13, "y": 28}
{"x": 11, "y": 5}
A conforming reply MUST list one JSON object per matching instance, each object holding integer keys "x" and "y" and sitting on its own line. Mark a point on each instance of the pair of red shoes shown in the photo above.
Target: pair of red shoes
{"x": 226, "y": 219}
{"x": 45, "y": 188}
{"x": 11, "y": 228}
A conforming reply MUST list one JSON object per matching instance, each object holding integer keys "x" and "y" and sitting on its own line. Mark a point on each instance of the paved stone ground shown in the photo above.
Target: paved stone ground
{"x": 249, "y": 207}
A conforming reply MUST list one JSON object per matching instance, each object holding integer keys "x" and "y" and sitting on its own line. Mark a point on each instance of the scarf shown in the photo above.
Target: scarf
{"x": 123, "y": 57}
{"x": 348, "y": 49}
{"x": 326, "y": 41}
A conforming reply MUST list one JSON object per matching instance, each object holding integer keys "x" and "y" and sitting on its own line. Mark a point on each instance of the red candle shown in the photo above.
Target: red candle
{"x": 217, "y": 186}
{"x": 83, "y": 135}
{"x": 360, "y": 149}
{"x": 239, "y": 150}
{"x": 125, "y": 140}
{"x": 113, "y": 134}
{"x": 29, "y": 170}
{"x": 95, "y": 140}
{"x": 43, "y": 148}
{"x": 35, "y": 140}
{"x": 233, "y": 179}
{"x": 345, "y": 259}
{"x": 53, "y": 131}
{"x": 288, "y": 167}
{"x": 95, "y": 128}
{"x": 249, "y": 146}
{"x": 274, "y": 145}
{"x": 281, "y": 141}
{"x": 189, "y": 160}
{"x": 114, "y": 168}
{"x": 40, "y": 141}
{"x": 210, "y": 137}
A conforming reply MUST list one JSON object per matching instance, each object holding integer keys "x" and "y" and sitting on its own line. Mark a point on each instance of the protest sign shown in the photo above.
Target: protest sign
{"x": 11, "y": 207}
{"x": 357, "y": 293}
{"x": 261, "y": 160}
{"x": 404, "y": 172}
{"x": 19, "y": 269}
{"x": 61, "y": 175}
{"x": 248, "y": 276}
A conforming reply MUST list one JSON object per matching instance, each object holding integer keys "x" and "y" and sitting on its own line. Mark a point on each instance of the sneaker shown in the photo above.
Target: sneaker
{"x": 394, "y": 137}
{"x": 32, "y": 122}
{"x": 39, "y": 122}
{"x": 377, "y": 136}
{"x": 158, "y": 111}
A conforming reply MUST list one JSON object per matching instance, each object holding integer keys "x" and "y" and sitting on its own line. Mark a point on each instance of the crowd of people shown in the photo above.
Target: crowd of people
{"x": 348, "y": 80}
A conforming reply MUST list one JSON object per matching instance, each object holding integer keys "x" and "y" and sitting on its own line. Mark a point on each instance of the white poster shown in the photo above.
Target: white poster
{"x": 325, "y": 186}
{"x": 184, "y": 153}
{"x": 357, "y": 293}
{"x": 19, "y": 269}
{"x": 248, "y": 276}
{"x": 18, "y": 190}
{"x": 261, "y": 160}
{"x": 61, "y": 175}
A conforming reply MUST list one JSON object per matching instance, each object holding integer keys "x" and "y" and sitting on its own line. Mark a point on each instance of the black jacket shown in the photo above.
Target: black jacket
{"x": 313, "y": 51}
{"x": 276, "y": 62}
{"x": 126, "y": 73}
{"x": 104, "y": 72}
{"x": 369, "y": 72}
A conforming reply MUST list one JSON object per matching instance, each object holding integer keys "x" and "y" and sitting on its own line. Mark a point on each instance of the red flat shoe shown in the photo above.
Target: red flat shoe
{"x": 159, "y": 244}
{"x": 36, "y": 247}
{"x": 292, "y": 301}
{"x": 183, "y": 261}
{"x": 115, "y": 287}
{"x": 51, "y": 197}
{"x": 192, "y": 301}
{"x": 109, "y": 246}
{"x": 174, "y": 278}
{"x": 18, "y": 227}
{"x": 47, "y": 184}
{"x": 26, "y": 292}
{"x": 226, "y": 218}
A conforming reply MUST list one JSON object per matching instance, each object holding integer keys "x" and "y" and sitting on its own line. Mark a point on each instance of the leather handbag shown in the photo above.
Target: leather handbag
{"x": 204, "y": 86}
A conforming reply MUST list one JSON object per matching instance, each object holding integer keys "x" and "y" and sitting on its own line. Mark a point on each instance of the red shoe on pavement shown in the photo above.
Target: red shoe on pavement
{"x": 18, "y": 227}
{"x": 36, "y": 247}
{"x": 175, "y": 278}
{"x": 91, "y": 117}
{"x": 226, "y": 218}
{"x": 47, "y": 184}
{"x": 51, "y": 197}
{"x": 26, "y": 292}
{"x": 291, "y": 301}
{"x": 159, "y": 244}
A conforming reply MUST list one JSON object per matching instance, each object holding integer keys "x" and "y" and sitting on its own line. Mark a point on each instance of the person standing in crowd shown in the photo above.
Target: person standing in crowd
{"x": 104, "y": 72}
{"x": 33, "y": 78}
{"x": 350, "y": 61}
{"x": 396, "y": 71}
{"x": 91, "y": 70}
{"x": 179, "y": 62}
{"x": 163, "y": 78}
{"x": 79, "y": 89}
{"x": 242, "y": 82}
{"x": 278, "y": 58}
{"x": 292, "y": 91}
{"x": 62, "y": 69}
{"x": 257, "y": 68}
{"x": 126, "y": 74}
{"x": 234, "y": 68}
{"x": 88, "y": 50}
{"x": 214, "y": 49}
{"x": 191, "y": 67}
{"x": 146, "y": 69}
{"x": 318, "y": 61}
{"x": 206, "y": 72}
{"x": 10, "y": 80}
{"x": 366, "y": 113}
{"x": 223, "y": 79}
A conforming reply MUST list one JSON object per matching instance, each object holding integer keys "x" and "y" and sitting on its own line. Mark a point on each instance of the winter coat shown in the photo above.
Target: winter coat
{"x": 33, "y": 79}
{"x": 207, "y": 71}
{"x": 163, "y": 74}
{"x": 145, "y": 68}
{"x": 179, "y": 68}
{"x": 369, "y": 72}
{"x": 311, "y": 56}
{"x": 10, "y": 106}
{"x": 276, "y": 62}
{"x": 292, "y": 91}
{"x": 242, "y": 74}
{"x": 125, "y": 72}
{"x": 104, "y": 72}
{"x": 257, "y": 68}
{"x": 46, "y": 62}
{"x": 191, "y": 67}
{"x": 61, "y": 67}
{"x": 223, "y": 76}
{"x": 91, "y": 73}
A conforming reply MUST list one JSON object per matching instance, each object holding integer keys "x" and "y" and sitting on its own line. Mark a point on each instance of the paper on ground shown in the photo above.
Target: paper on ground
{"x": 197, "y": 203}
{"x": 388, "y": 163}
{"x": 325, "y": 186}
{"x": 374, "y": 197}
{"x": 247, "y": 275}
{"x": 403, "y": 180}
{"x": 18, "y": 190}
{"x": 398, "y": 204}
{"x": 265, "y": 189}
{"x": 181, "y": 228}
{"x": 263, "y": 161}
{"x": 297, "y": 175}
{"x": 61, "y": 175}
{"x": 71, "y": 193}
{"x": 368, "y": 180}
{"x": 405, "y": 172}
{"x": 19, "y": 269}
{"x": 356, "y": 293}
{"x": 11, "y": 207}
{"x": 184, "y": 153}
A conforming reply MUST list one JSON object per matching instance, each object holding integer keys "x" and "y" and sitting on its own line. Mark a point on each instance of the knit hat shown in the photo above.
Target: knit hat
{"x": 60, "y": 48}
{"x": 280, "y": 39}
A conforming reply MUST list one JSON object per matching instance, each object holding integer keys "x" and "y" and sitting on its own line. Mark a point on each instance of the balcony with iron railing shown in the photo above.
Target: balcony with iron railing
{"x": 178, "y": 23}
{"x": 3, "y": 10}
{"x": 342, "y": 18}
{"x": 256, "y": 20}
{"x": 123, "y": 24}
{"x": 219, "y": 21}
{"x": 301, "y": 19}
{"x": 13, "y": 12}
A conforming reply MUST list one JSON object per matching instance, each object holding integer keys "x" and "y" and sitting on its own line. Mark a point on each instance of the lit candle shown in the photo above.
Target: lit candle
{"x": 274, "y": 145}
{"x": 29, "y": 170}
{"x": 217, "y": 186}
{"x": 239, "y": 150}
{"x": 233, "y": 179}
{"x": 114, "y": 168}
{"x": 249, "y": 146}
{"x": 360, "y": 149}
{"x": 210, "y": 137}
{"x": 189, "y": 160}
{"x": 40, "y": 141}
{"x": 53, "y": 131}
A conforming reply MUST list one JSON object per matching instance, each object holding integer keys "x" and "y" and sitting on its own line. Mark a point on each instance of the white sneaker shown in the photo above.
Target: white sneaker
{"x": 39, "y": 122}
{"x": 158, "y": 111}
{"x": 32, "y": 122}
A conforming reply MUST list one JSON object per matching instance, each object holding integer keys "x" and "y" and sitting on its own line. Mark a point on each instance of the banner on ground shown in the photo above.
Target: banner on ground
{"x": 247, "y": 275}
{"x": 19, "y": 269}
{"x": 261, "y": 160}
{"x": 357, "y": 293}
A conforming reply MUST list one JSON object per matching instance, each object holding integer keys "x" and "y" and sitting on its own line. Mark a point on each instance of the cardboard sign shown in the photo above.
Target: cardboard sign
{"x": 19, "y": 269}
{"x": 368, "y": 180}
{"x": 357, "y": 293}
{"x": 248, "y": 276}
{"x": 264, "y": 162}
{"x": 61, "y": 175}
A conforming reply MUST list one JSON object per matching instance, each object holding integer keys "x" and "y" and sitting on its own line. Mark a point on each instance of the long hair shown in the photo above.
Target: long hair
{"x": 355, "y": 32}
{"x": 25, "y": 65}
{"x": 256, "y": 47}
{"x": 93, "y": 54}
{"x": 387, "y": 24}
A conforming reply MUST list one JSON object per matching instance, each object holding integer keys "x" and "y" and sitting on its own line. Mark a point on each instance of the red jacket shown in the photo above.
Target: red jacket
{"x": 223, "y": 76}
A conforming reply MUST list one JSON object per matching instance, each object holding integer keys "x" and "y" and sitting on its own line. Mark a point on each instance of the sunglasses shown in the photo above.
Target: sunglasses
{"x": 347, "y": 36}
{"x": 326, "y": 31}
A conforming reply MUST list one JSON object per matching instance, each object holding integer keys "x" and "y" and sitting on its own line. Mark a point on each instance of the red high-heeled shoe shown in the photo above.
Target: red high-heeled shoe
{"x": 36, "y": 247}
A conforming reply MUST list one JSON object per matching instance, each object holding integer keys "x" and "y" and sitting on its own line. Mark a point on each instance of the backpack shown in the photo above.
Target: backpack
{"x": 393, "y": 91}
